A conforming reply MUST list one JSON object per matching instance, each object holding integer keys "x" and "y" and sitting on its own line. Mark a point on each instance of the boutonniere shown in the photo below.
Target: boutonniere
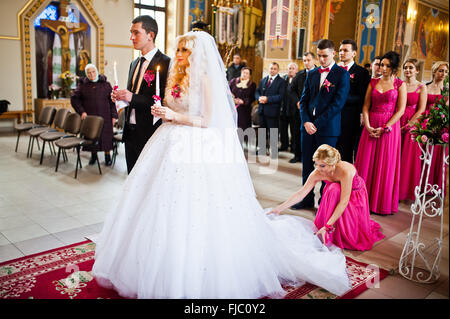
{"x": 176, "y": 91}
{"x": 327, "y": 84}
{"x": 352, "y": 76}
{"x": 149, "y": 76}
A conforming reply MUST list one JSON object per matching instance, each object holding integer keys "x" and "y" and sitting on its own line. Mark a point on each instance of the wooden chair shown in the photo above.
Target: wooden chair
{"x": 59, "y": 118}
{"x": 90, "y": 133}
{"x": 43, "y": 118}
{"x": 71, "y": 128}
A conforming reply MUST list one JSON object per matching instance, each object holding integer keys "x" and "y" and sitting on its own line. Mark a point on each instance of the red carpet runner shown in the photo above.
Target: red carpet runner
{"x": 64, "y": 273}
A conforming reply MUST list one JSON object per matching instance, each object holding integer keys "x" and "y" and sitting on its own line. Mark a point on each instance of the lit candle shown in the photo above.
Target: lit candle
{"x": 157, "y": 81}
{"x": 158, "y": 101}
{"x": 116, "y": 80}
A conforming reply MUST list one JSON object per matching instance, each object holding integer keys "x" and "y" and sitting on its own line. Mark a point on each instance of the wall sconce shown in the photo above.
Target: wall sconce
{"x": 411, "y": 16}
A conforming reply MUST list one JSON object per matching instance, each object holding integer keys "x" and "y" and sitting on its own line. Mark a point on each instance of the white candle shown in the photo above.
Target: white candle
{"x": 116, "y": 80}
{"x": 157, "y": 81}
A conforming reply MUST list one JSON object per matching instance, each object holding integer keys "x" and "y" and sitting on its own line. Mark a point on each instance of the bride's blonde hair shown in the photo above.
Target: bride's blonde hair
{"x": 180, "y": 74}
{"x": 328, "y": 154}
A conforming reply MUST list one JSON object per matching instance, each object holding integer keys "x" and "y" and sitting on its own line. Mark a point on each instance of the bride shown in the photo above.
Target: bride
{"x": 188, "y": 224}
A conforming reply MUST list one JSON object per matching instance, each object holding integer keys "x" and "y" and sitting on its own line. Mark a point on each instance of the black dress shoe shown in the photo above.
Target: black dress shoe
{"x": 108, "y": 161}
{"x": 93, "y": 159}
{"x": 295, "y": 160}
{"x": 302, "y": 205}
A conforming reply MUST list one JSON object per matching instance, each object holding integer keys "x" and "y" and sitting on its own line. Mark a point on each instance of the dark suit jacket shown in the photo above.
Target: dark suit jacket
{"x": 290, "y": 98}
{"x": 328, "y": 104}
{"x": 142, "y": 102}
{"x": 359, "y": 81}
{"x": 274, "y": 95}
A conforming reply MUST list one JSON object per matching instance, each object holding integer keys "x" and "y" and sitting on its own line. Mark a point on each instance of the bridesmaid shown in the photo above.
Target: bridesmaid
{"x": 439, "y": 71}
{"x": 411, "y": 166}
{"x": 378, "y": 157}
{"x": 343, "y": 217}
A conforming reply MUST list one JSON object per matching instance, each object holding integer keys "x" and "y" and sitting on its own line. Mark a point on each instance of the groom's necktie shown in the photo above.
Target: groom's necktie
{"x": 136, "y": 80}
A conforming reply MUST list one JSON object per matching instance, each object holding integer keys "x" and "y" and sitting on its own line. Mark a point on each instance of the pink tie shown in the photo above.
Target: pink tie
{"x": 321, "y": 70}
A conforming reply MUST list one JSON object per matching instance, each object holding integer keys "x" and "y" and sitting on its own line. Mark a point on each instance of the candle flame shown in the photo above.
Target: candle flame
{"x": 157, "y": 68}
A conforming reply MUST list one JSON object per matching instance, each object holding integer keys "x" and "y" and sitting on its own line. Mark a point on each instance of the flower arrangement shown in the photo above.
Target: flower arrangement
{"x": 432, "y": 125}
{"x": 54, "y": 89}
{"x": 67, "y": 79}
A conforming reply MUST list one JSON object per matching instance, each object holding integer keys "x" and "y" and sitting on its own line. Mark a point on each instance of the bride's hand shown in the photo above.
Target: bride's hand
{"x": 275, "y": 211}
{"x": 322, "y": 232}
{"x": 163, "y": 112}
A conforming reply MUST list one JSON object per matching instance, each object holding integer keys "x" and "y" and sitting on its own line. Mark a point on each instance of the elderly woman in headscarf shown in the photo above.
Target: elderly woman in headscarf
{"x": 93, "y": 97}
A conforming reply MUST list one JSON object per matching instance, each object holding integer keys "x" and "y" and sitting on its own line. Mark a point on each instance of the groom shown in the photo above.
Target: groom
{"x": 324, "y": 95}
{"x": 141, "y": 88}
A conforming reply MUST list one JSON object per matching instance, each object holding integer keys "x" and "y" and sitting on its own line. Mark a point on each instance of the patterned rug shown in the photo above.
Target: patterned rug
{"x": 65, "y": 273}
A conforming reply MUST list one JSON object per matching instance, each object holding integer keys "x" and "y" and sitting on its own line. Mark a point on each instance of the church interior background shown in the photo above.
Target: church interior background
{"x": 261, "y": 31}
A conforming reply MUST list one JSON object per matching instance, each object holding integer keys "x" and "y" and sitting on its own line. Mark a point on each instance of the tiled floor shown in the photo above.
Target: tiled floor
{"x": 41, "y": 209}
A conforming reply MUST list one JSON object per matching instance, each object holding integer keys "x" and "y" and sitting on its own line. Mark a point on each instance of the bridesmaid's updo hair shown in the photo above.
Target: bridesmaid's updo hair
{"x": 394, "y": 60}
{"x": 436, "y": 66}
{"x": 413, "y": 62}
{"x": 328, "y": 154}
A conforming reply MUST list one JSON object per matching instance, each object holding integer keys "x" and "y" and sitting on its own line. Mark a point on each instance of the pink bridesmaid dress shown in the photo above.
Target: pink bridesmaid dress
{"x": 378, "y": 159}
{"x": 436, "y": 161}
{"x": 411, "y": 167}
{"x": 354, "y": 229}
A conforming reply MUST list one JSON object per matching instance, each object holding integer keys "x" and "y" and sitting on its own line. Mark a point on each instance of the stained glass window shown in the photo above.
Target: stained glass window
{"x": 49, "y": 13}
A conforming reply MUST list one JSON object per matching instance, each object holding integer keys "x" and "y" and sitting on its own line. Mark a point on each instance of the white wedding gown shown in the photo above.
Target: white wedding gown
{"x": 188, "y": 225}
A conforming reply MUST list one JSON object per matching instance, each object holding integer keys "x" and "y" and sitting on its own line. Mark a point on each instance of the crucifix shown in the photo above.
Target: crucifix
{"x": 63, "y": 28}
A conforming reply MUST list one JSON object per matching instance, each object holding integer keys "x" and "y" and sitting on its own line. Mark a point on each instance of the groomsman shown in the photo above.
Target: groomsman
{"x": 287, "y": 105}
{"x": 376, "y": 67}
{"x": 324, "y": 95}
{"x": 351, "y": 115}
{"x": 269, "y": 95}
{"x": 298, "y": 82}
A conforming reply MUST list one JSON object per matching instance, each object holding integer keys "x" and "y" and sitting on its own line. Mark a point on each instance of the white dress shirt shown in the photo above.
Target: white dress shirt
{"x": 148, "y": 58}
{"x": 324, "y": 75}
{"x": 348, "y": 65}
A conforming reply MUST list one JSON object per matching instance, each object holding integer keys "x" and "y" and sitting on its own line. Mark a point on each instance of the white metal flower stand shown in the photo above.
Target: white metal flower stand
{"x": 414, "y": 264}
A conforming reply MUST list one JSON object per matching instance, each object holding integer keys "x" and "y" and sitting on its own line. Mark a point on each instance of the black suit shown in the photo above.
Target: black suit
{"x": 136, "y": 135}
{"x": 298, "y": 83}
{"x": 269, "y": 113}
{"x": 350, "y": 116}
{"x": 290, "y": 116}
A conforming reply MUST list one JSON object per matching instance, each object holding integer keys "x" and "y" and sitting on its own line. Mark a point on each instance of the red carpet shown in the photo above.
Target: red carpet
{"x": 64, "y": 273}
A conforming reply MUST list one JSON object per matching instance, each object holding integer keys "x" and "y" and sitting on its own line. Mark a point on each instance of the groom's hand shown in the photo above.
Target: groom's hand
{"x": 124, "y": 95}
{"x": 310, "y": 128}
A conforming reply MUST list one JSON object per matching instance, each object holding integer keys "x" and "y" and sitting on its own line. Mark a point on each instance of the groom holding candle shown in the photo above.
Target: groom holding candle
{"x": 141, "y": 88}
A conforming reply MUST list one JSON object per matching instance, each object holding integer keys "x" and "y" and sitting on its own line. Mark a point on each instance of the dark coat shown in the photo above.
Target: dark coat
{"x": 290, "y": 99}
{"x": 142, "y": 101}
{"x": 248, "y": 96}
{"x": 328, "y": 104}
{"x": 94, "y": 98}
{"x": 234, "y": 72}
{"x": 274, "y": 95}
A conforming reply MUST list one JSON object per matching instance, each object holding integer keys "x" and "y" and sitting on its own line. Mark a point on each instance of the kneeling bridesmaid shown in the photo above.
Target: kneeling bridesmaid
{"x": 343, "y": 217}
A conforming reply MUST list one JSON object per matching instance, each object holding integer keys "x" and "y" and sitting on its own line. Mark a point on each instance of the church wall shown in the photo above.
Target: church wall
{"x": 116, "y": 17}
{"x": 11, "y": 87}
